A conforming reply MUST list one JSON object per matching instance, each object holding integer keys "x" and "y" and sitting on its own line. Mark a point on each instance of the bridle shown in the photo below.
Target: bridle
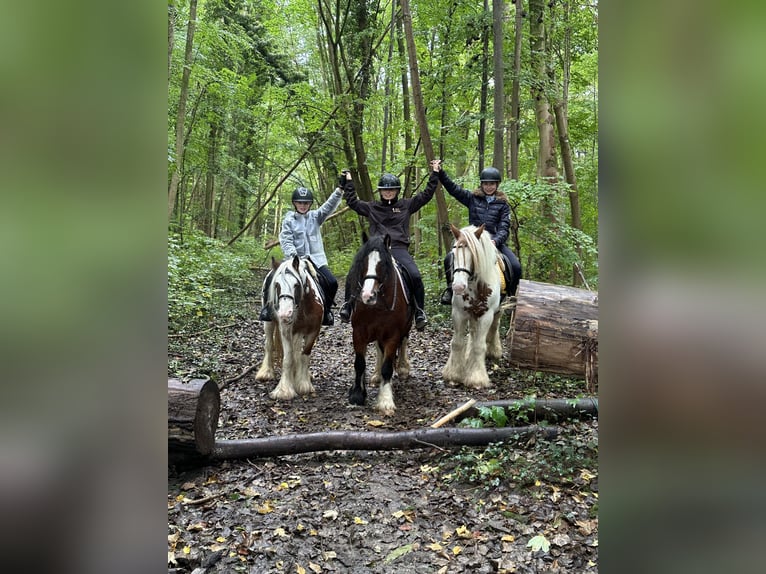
{"x": 379, "y": 290}
{"x": 459, "y": 269}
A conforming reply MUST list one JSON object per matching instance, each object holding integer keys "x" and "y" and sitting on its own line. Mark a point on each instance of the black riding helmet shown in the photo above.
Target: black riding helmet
{"x": 389, "y": 181}
{"x": 303, "y": 194}
{"x": 490, "y": 174}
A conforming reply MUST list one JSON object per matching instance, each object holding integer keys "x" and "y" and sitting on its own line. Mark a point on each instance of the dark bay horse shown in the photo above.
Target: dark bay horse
{"x": 381, "y": 314}
{"x": 298, "y": 311}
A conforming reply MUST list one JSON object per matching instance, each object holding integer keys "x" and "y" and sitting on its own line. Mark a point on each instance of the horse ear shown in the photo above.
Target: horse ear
{"x": 296, "y": 262}
{"x": 479, "y": 231}
{"x": 274, "y": 263}
{"x": 455, "y": 231}
{"x": 364, "y": 237}
{"x": 387, "y": 241}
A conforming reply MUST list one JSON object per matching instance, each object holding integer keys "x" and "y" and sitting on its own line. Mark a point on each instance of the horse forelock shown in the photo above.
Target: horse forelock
{"x": 483, "y": 253}
{"x": 359, "y": 266}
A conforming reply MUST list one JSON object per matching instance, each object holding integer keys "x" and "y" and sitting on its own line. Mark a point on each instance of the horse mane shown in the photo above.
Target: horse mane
{"x": 483, "y": 252}
{"x": 358, "y": 269}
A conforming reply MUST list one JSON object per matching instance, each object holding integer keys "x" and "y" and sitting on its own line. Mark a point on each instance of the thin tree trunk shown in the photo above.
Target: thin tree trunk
{"x": 547, "y": 169}
{"x": 498, "y": 157}
{"x": 207, "y": 215}
{"x": 515, "y": 98}
{"x": 387, "y": 106}
{"x": 482, "y": 144}
{"x": 571, "y": 178}
{"x": 181, "y": 113}
{"x": 420, "y": 113}
{"x": 406, "y": 111}
{"x": 171, "y": 33}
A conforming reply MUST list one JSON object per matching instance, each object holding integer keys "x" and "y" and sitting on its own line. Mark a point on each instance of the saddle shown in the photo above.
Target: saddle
{"x": 406, "y": 280}
{"x": 505, "y": 273}
{"x": 319, "y": 278}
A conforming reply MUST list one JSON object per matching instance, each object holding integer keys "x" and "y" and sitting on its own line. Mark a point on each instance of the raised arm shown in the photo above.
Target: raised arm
{"x": 330, "y": 205}
{"x": 459, "y": 193}
{"x": 349, "y": 194}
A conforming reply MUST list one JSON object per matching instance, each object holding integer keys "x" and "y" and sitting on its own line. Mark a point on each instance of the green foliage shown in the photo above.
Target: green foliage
{"x": 200, "y": 268}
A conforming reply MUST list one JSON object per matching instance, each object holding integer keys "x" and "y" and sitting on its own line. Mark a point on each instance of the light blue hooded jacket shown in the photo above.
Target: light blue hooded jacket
{"x": 301, "y": 235}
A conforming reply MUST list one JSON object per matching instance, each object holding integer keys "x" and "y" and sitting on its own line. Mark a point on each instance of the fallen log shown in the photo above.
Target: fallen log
{"x": 281, "y": 445}
{"x": 193, "y": 409}
{"x": 555, "y": 330}
{"x": 536, "y": 410}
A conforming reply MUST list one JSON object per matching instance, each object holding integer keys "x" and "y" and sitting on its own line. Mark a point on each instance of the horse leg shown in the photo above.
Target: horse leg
{"x": 375, "y": 378}
{"x": 358, "y": 393}
{"x": 494, "y": 347}
{"x": 455, "y": 367}
{"x": 385, "y": 404}
{"x": 403, "y": 361}
{"x": 285, "y": 389}
{"x": 266, "y": 372}
{"x": 303, "y": 375}
{"x": 475, "y": 368}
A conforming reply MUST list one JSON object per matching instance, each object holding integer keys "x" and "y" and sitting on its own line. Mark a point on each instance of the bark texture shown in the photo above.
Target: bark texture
{"x": 366, "y": 440}
{"x": 555, "y": 330}
{"x": 193, "y": 409}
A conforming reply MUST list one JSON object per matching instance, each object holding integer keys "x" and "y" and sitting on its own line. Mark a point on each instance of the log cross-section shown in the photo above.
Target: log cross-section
{"x": 193, "y": 409}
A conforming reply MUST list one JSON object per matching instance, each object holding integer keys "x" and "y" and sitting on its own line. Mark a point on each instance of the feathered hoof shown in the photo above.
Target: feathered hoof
{"x": 264, "y": 374}
{"x": 357, "y": 397}
{"x": 281, "y": 394}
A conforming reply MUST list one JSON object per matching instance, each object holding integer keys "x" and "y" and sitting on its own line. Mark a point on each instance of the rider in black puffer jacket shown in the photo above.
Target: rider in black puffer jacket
{"x": 489, "y": 206}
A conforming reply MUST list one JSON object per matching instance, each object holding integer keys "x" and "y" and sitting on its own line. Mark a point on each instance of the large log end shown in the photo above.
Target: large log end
{"x": 193, "y": 409}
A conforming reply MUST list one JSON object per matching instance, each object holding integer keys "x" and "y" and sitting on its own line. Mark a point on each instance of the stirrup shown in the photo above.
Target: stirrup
{"x": 420, "y": 320}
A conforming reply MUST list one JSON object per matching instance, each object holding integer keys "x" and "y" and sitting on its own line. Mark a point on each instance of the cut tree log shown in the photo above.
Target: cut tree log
{"x": 555, "y": 330}
{"x": 193, "y": 409}
{"x": 538, "y": 409}
{"x": 281, "y": 445}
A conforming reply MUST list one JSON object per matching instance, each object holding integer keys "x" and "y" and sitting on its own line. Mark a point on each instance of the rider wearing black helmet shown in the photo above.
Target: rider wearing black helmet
{"x": 392, "y": 215}
{"x": 489, "y": 206}
{"x": 301, "y": 236}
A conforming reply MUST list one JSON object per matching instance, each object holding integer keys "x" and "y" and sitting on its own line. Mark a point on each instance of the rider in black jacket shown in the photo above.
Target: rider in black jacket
{"x": 392, "y": 215}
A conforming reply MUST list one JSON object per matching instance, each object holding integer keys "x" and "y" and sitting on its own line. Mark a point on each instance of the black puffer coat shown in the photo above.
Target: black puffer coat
{"x": 495, "y": 215}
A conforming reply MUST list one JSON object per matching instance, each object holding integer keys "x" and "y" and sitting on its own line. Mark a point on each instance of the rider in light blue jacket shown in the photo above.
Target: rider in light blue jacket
{"x": 301, "y": 235}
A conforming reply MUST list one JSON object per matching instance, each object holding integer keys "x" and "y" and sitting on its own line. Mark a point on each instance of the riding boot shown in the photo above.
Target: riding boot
{"x": 345, "y": 310}
{"x": 420, "y": 315}
{"x": 328, "y": 319}
{"x": 266, "y": 311}
{"x": 446, "y": 298}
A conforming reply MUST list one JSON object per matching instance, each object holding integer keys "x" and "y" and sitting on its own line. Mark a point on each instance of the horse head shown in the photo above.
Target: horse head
{"x": 377, "y": 265}
{"x": 288, "y": 288}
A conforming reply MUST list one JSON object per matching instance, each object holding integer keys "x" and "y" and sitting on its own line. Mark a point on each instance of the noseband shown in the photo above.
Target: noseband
{"x": 468, "y": 272}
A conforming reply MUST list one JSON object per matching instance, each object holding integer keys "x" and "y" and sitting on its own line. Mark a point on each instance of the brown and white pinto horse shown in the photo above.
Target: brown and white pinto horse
{"x": 476, "y": 308}
{"x": 298, "y": 307}
{"x": 381, "y": 314}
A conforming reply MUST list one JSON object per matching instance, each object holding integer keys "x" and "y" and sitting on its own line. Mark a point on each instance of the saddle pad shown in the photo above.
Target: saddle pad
{"x": 500, "y": 269}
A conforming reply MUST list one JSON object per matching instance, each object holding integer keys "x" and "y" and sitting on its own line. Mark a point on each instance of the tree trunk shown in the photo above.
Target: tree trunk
{"x": 535, "y": 410}
{"x": 482, "y": 143}
{"x": 171, "y": 34}
{"x": 555, "y": 330}
{"x": 547, "y": 169}
{"x": 515, "y": 97}
{"x": 420, "y": 113}
{"x": 181, "y": 113}
{"x": 192, "y": 419}
{"x": 207, "y": 213}
{"x": 406, "y": 113}
{"x": 498, "y": 153}
{"x": 281, "y": 445}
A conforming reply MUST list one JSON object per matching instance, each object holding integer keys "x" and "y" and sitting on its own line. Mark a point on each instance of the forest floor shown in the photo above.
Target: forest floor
{"x": 528, "y": 506}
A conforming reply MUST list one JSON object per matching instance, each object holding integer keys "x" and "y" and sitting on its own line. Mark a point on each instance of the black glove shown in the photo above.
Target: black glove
{"x": 342, "y": 180}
